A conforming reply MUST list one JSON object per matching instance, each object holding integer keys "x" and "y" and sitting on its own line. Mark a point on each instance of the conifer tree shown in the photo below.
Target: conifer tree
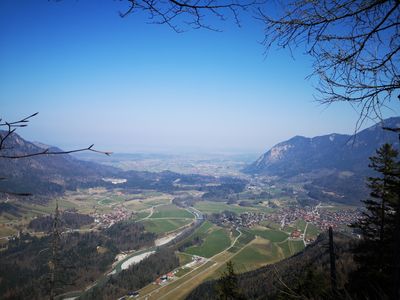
{"x": 374, "y": 254}
{"x": 227, "y": 286}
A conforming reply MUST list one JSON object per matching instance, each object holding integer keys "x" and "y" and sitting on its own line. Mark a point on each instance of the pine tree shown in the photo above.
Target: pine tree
{"x": 374, "y": 254}
{"x": 227, "y": 286}
{"x": 55, "y": 250}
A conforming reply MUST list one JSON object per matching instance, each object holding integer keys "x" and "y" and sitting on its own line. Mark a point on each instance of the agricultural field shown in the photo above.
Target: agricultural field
{"x": 256, "y": 254}
{"x": 142, "y": 214}
{"x": 248, "y": 248}
{"x": 300, "y": 224}
{"x": 296, "y": 246}
{"x": 171, "y": 211}
{"x": 216, "y": 239}
{"x": 160, "y": 226}
{"x": 183, "y": 258}
{"x": 209, "y": 207}
{"x": 312, "y": 231}
{"x": 274, "y": 236}
{"x": 290, "y": 247}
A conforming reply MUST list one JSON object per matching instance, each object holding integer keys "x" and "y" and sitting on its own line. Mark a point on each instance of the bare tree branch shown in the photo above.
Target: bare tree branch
{"x": 194, "y": 13}
{"x": 354, "y": 43}
{"x": 10, "y": 128}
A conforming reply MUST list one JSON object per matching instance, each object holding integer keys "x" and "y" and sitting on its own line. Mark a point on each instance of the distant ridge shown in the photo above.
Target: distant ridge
{"x": 46, "y": 174}
{"x": 334, "y": 166}
{"x": 333, "y": 151}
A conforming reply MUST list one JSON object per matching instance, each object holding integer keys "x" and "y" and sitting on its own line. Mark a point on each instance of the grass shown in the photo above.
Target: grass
{"x": 179, "y": 289}
{"x": 290, "y": 248}
{"x": 246, "y": 237}
{"x": 203, "y": 229}
{"x": 285, "y": 248}
{"x": 140, "y": 204}
{"x": 182, "y": 271}
{"x": 217, "y": 207}
{"x": 288, "y": 229}
{"x": 270, "y": 225}
{"x": 142, "y": 214}
{"x": 171, "y": 211}
{"x": 257, "y": 254}
{"x": 296, "y": 246}
{"x": 215, "y": 242}
{"x": 312, "y": 231}
{"x": 300, "y": 224}
{"x": 200, "y": 232}
{"x": 163, "y": 225}
{"x": 271, "y": 235}
{"x": 105, "y": 201}
{"x": 184, "y": 258}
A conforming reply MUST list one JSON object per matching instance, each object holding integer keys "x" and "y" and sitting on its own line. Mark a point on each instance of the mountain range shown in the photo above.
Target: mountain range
{"x": 44, "y": 176}
{"x": 335, "y": 165}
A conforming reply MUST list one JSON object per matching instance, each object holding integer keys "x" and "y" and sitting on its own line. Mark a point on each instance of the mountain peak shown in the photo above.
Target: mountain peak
{"x": 333, "y": 151}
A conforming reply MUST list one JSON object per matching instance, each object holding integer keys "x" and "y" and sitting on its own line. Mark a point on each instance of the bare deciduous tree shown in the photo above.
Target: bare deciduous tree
{"x": 354, "y": 43}
{"x": 191, "y": 13}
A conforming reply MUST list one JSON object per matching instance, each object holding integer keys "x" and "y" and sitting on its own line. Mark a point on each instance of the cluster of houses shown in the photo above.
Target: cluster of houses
{"x": 335, "y": 219}
{"x": 321, "y": 217}
{"x": 247, "y": 219}
{"x": 118, "y": 214}
{"x": 164, "y": 278}
{"x": 196, "y": 260}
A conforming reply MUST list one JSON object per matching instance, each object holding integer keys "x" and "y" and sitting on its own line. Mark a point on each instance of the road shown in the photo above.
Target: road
{"x": 192, "y": 280}
{"x": 304, "y": 235}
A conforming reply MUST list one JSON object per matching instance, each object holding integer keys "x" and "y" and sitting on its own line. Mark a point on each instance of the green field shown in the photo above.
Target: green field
{"x": 200, "y": 232}
{"x": 208, "y": 207}
{"x": 300, "y": 224}
{"x": 246, "y": 237}
{"x": 182, "y": 271}
{"x": 215, "y": 241}
{"x": 184, "y": 258}
{"x": 288, "y": 229}
{"x": 290, "y": 248}
{"x": 257, "y": 254}
{"x": 285, "y": 248}
{"x": 296, "y": 246}
{"x": 171, "y": 211}
{"x": 312, "y": 231}
{"x": 269, "y": 234}
{"x": 142, "y": 214}
{"x": 163, "y": 225}
{"x": 270, "y": 225}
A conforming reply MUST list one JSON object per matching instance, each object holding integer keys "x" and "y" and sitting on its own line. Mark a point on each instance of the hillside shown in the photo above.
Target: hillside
{"x": 290, "y": 275}
{"x": 335, "y": 165}
{"x": 46, "y": 174}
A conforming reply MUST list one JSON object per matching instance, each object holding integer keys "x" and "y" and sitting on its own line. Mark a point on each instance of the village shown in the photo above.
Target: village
{"x": 118, "y": 214}
{"x": 321, "y": 217}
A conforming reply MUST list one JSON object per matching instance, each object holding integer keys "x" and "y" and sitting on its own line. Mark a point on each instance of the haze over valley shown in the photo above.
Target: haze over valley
{"x": 207, "y": 209}
{"x": 199, "y": 150}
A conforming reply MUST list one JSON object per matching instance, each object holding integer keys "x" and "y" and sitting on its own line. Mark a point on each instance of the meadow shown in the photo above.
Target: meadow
{"x": 160, "y": 226}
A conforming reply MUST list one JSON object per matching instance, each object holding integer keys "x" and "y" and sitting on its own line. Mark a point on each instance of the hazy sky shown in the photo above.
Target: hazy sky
{"x": 130, "y": 86}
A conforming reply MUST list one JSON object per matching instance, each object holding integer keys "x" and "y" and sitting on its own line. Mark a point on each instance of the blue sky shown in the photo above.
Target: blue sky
{"x": 129, "y": 86}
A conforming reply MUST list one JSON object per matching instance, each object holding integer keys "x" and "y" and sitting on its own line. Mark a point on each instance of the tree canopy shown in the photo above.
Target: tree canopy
{"x": 354, "y": 45}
